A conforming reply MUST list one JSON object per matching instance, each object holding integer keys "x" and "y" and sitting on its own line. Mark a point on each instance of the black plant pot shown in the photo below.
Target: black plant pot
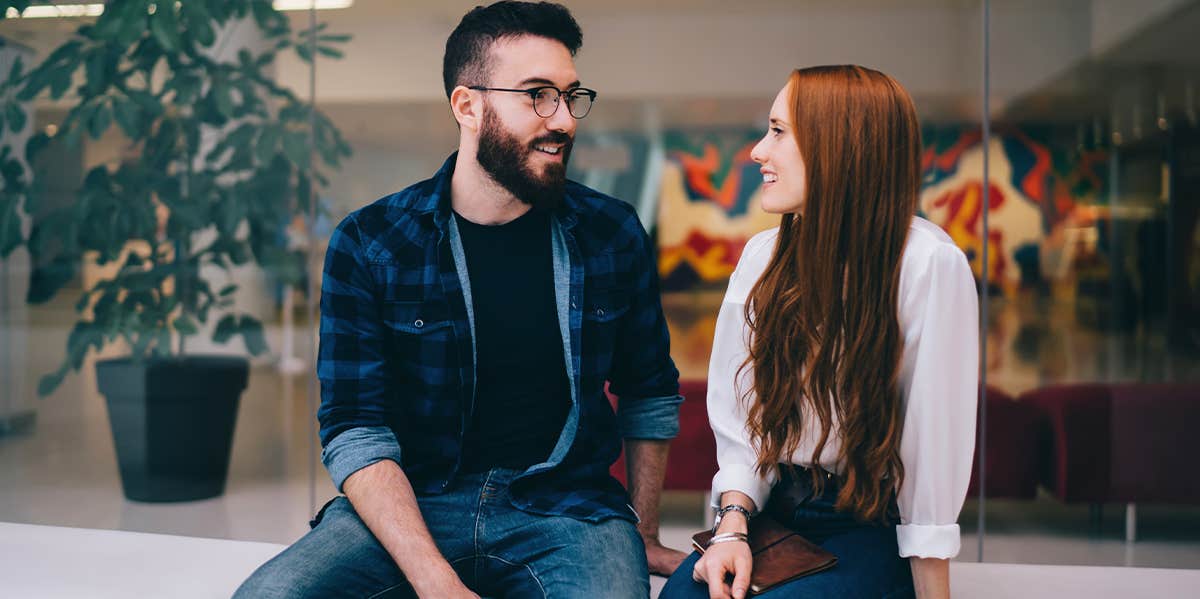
{"x": 172, "y": 422}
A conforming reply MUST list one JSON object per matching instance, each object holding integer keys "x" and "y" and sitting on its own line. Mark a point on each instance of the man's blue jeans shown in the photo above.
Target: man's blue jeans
{"x": 497, "y": 550}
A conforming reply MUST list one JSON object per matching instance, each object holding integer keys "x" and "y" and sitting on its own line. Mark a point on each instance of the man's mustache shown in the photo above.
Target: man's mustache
{"x": 554, "y": 138}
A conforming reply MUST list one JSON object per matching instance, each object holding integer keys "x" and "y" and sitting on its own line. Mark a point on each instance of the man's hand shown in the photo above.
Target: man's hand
{"x": 443, "y": 584}
{"x": 661, "y": 559}
{"x": 384, "y": 499}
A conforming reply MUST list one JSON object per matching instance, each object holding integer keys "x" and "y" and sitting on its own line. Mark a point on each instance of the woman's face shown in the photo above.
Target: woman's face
{"x": 783, "y": 186}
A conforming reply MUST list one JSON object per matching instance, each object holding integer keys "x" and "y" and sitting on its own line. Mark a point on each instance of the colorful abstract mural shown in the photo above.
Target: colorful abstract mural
{"x": 707, "y": 207}
{"x": 1039, "y": 182}
{"x": 1039, "y": 179}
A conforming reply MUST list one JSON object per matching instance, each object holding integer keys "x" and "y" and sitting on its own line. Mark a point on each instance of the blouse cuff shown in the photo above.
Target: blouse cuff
{"x": 741, "y": 478}
{"x": 940, "y": 541}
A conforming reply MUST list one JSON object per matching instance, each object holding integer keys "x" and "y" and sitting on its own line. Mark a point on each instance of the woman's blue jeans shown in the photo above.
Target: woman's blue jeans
{"x": 869, "y": 562}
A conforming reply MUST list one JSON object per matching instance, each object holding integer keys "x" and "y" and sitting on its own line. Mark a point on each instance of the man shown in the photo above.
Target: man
{"x": 468, "y": 326}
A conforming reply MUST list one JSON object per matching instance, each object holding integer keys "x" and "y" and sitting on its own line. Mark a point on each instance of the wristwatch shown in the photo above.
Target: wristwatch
{"x": 733, "y": 507}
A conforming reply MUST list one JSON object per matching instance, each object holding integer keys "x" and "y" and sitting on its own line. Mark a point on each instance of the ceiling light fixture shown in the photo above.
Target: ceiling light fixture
{"x": 95, "y": 9}
{"x": 49, "y": 11}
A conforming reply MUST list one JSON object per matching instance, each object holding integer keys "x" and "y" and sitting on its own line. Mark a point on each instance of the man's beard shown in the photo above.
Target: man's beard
{"x": 506, "y": 160}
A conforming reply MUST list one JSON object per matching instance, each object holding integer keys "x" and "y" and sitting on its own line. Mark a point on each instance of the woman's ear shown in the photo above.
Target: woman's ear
{"x": 467, "y": 108}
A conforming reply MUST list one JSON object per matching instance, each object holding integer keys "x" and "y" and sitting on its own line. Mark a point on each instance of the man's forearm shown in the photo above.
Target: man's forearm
{"x": 384, "y": 499}
{"x": 645, "y": 467}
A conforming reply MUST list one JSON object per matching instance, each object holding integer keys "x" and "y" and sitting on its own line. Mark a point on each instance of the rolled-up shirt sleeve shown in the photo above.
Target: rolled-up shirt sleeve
{"x": 643, "y": 375}
{"x": 941, "y": 393}
{"x": 729, "y": 385}
{"x": 354, "y": 411}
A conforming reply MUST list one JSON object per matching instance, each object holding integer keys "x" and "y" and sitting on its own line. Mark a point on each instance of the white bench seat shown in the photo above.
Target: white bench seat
{"x": 53, "y": 561}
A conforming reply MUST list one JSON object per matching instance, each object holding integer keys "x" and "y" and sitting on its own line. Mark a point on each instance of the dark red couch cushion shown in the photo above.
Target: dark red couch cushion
{"x": 1014, "y": 429}
{"x": 1155, "y": 443}
{"x": 1076, "y": 444}
{"x": 693, "y": 458}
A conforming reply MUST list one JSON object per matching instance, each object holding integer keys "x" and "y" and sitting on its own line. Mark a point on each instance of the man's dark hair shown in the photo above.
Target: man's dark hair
{"x": 468, "y": 48}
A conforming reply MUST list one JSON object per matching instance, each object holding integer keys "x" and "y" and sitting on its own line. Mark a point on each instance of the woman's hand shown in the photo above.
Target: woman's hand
{"x": 719, "y": 562}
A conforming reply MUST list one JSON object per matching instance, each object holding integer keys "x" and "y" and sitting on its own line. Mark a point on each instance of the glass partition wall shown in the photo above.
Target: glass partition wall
{"x": 1060, "y": 154}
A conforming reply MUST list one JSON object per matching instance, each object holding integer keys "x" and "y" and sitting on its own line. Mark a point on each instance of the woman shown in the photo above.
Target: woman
{"x": 842, "y": 387}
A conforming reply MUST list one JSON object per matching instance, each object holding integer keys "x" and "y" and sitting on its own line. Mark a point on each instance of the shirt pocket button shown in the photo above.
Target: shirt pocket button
{"x": 419, "y": 323}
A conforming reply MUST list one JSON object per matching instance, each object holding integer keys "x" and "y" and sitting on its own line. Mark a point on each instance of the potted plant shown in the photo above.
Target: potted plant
{"x": 224, "y": 158}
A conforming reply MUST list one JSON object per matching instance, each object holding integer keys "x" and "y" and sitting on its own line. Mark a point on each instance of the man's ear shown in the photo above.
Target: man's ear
{"x": 467, "y": 108}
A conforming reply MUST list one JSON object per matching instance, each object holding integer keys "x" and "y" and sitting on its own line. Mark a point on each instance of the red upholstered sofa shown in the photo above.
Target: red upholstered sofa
{"x": 1014, "y": 430}
{"x": 693, "y": 458}
{"x": 1123, "y": 442}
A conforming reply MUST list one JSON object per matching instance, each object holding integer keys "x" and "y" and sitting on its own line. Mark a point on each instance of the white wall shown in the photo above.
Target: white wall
{"x": 1114, "y": 20}
{"x": 934, "y": 49}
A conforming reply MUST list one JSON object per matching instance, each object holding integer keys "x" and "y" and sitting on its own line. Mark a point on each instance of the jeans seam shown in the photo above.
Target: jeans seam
{"x": 527, "y": 567}
{"x": 391, "y": 588}
{"x": 479, "y": 521}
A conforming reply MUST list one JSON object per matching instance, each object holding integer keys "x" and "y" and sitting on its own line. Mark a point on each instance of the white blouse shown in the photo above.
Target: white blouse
{"x": 938, "y": 312}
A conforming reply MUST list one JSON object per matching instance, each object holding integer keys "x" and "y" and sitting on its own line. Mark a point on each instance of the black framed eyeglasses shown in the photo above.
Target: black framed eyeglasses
{"x": 545, "y": 99}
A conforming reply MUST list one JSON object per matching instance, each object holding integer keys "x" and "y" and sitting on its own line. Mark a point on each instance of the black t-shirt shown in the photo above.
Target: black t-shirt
{"x": 522, "y": 394}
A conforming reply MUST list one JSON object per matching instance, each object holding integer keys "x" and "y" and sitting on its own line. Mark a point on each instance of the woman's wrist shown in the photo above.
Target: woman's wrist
{"x": 732, "y": 521}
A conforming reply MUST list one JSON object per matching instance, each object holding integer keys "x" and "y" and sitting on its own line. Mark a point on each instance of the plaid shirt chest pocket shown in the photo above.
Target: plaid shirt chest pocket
{"x": 607, "y": 297}
{"x": 419, "y": 330}
{"x": 418, "y": 318}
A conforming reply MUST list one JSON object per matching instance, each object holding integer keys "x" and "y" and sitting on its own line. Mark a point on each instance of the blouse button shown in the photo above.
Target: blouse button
{"x": 419, "y": 323}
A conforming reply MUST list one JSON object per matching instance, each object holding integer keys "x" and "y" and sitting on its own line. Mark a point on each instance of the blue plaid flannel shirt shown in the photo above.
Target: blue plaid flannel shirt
{"x": 397, "y": 356}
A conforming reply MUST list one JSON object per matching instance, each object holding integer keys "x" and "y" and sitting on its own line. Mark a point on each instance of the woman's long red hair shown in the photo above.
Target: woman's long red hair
{"x": 825, "y": 339}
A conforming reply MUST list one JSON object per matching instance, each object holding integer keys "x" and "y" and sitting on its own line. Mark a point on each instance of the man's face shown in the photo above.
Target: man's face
{"x": 523, "y": 152}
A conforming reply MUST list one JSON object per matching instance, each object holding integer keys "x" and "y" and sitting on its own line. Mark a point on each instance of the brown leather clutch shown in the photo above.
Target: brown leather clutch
{"x": 780, "y": 555}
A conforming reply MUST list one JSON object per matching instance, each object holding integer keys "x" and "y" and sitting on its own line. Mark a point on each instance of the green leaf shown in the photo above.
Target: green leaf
{"x": 304, "y": 53}
{"x": 303, "y": 192}
{"x": 295, "y": 146}
{"x": 48, "y": 383}
{"x": 227, "y": 290}
{"x": 17, "y": 68}
{"x": 37, "y": 80}
{"x": 84, "y": 336}
{"x": 34, "y": 146}
{"x": 199, "y": 23}
{"x": 185, "y": 325}
{"x": 165, "y": 27}
{"x": 146, "y": 101}
{"x": 227, "y": 327}
{"x": 100, "y": 121}
{"x": 16, "y": 117}
{"x": 252, "y": 334}
{"x": 46, "y": 280}
{"x": 222, "y": 97}
{"x": 97, "y": 74}
{"x": 336, "y": 38}
{"x": 330, "y": 51}
{"x": 229, "y": 213}
{"x": 239, "y": 252}
{"x": 267, "y": 144}
{"x": 60, "y": 82}
{"x": 126, "y": 113}
{"x": 10, "y": 228}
